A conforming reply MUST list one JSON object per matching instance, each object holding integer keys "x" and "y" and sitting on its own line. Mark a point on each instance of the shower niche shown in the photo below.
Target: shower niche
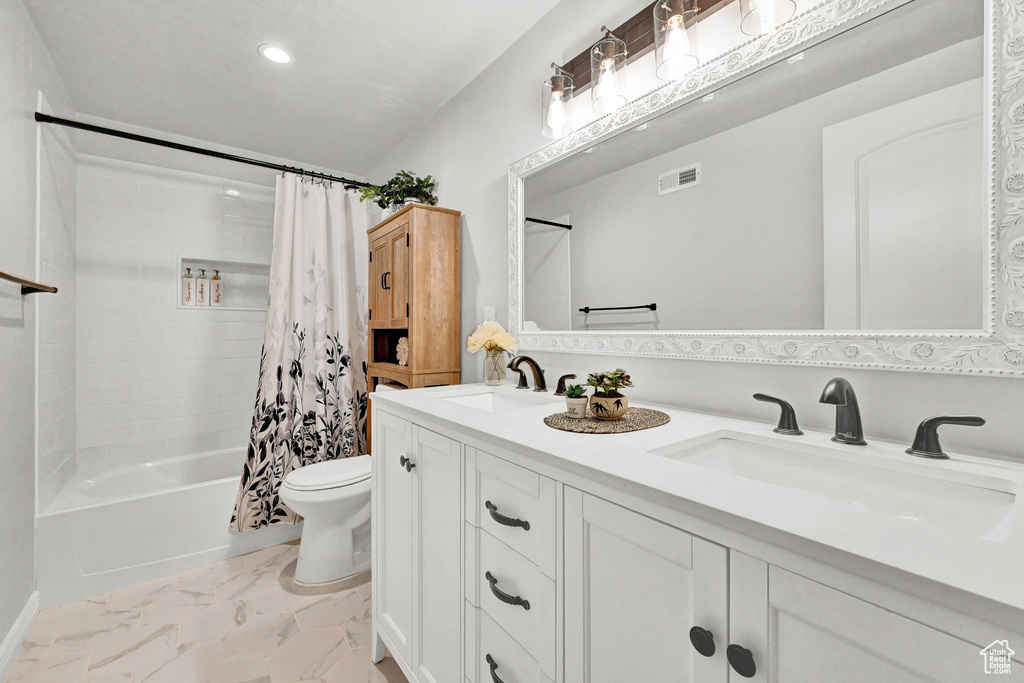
{"x": 245, "y": 284}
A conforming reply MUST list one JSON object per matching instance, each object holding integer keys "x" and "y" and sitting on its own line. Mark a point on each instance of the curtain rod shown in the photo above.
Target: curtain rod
{"x": 46, "y": 118}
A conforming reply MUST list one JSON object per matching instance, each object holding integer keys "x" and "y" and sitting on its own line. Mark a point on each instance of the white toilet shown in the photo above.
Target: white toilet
{"x": 334, "y": 499}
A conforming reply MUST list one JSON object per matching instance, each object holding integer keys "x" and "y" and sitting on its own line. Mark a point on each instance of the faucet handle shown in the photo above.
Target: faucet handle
{"x": 523, "y": 384}
{"x": 787, "y": 420}
{"x": 560, "y": 388}
{"x": 926, "y": 441}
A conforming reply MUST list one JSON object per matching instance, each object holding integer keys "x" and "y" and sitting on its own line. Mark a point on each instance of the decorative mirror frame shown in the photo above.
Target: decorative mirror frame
{"x": 997, "y": 349}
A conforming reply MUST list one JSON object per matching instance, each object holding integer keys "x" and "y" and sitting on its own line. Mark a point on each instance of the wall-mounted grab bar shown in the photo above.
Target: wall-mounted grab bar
{"x": 588, "y": 309}
{"x": 567, "y": 226}
{"x": 27, "y": 286}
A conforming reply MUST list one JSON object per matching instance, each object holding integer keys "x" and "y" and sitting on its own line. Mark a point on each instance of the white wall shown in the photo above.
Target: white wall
{"x": 155, "y": 380}
{"x": 25, "y": 69}
{"x": 495, "y": 120}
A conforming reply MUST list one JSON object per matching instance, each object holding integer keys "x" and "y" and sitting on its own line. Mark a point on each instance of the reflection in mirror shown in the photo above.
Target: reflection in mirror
{"x": 839, "y": 189}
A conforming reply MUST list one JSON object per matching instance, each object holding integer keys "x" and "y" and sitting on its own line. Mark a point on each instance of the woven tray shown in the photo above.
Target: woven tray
{"x": 634, "y": 420}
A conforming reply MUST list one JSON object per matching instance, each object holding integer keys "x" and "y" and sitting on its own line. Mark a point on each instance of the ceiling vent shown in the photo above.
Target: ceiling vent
{"x": 679, "y": 179}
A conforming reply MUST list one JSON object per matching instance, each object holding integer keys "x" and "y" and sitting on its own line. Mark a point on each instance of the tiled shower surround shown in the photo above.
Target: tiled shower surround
{"x": 155, "y": 380}
{"x": 56, "y": 346}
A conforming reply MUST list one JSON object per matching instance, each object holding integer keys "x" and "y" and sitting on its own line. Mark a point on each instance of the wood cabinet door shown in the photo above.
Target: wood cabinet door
{"x": 438, "y": 571}
{"x": 393, "y": 530}
{"x": 398, "y": 280}
{"x": 634, "y": 588}
{"x": 817, "y": 633}
{"x": 380, "y": 300}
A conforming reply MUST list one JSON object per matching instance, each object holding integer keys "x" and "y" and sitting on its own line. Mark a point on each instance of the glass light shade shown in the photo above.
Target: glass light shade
{"x": 758, "y": 17}
{"x": 607, "y": 79}
{"x": 675, "y": 43}
{"x": 555, "y": 93}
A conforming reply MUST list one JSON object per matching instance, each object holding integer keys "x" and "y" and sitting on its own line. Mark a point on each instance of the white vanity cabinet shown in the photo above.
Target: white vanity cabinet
{"x": 466, "y": 537}
{"x": 634, "y": 588}
{"x": 417, "y": 587}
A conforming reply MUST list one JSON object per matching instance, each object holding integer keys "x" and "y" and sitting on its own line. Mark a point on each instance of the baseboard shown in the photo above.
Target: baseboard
{"x": 12, "y": 641}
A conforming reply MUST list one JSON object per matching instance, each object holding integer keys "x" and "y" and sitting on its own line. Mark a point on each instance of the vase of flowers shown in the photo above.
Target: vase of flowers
{"x": 575, "y": 401}
{"x": 608, "y": 403}
{"x": 494, "y": 341}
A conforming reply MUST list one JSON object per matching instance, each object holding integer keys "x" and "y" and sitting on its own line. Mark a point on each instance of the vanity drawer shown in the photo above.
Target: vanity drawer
{"x": 501, "y": 582}
{"x": 511, "y": 663}
{"x": 513, "y": 504}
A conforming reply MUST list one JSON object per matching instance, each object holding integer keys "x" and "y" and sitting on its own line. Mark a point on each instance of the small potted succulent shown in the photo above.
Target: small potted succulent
{"x": 608, "y": 403}
{"x": 404, "y": 188}
{"x": 575, "y": 401}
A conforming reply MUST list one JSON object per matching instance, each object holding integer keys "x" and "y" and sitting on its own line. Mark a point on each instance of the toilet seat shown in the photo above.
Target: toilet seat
{"x": 331, "y": 474}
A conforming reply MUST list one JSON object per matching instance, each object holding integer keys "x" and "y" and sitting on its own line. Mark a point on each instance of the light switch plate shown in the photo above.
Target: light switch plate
{"x": 489, "y": 314}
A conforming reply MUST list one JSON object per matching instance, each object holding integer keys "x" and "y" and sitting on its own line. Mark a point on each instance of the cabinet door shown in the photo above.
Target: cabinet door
{"x": 398, "y": 280}
{"x": 438, "y": 472}
{"x": 634, "y": 588}
{"x": 393, "y": 530}
{"x": 380, "y": 300}
{"x": 817, "y": 633}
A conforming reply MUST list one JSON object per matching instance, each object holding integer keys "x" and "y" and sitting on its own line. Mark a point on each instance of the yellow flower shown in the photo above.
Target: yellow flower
{"x": 491, "y": 336}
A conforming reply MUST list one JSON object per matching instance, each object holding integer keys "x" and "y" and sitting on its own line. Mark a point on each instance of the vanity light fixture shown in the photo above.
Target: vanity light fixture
{"x": 275, "y": 54}
{"x": 758, "y": 17}
{"x": 555, "y": 93}
{"x": 607, "y": 57}
{"x": 675, "y": 43}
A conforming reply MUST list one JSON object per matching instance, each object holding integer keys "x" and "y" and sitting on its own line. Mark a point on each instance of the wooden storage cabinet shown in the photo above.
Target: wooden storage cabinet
{"x": 414, "y": 293}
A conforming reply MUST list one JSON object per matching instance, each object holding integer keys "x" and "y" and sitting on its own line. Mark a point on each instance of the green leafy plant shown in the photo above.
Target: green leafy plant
{"x": 403, "y": 186}
{"x": 574, "y": 391}
{"x": 607, "y": 384}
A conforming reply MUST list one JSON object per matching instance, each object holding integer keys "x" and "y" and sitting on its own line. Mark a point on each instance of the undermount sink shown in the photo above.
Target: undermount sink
{"x": 493, "y": 401}
{"x": 979, "y": 505}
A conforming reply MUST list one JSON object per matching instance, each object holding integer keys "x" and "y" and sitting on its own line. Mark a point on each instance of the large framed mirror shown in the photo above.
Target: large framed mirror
{"x": 844, "y": 190}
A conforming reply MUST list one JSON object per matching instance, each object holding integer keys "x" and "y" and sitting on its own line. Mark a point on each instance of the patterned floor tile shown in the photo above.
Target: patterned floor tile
{"x": 307, "y": 656}
{"x": 242, "y": 620}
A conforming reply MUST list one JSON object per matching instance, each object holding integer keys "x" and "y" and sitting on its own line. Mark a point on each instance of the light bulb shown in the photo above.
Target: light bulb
{"x": 607, "y": 88}
{"x": 676, "y": 53}
{"x": 557, "y": 115}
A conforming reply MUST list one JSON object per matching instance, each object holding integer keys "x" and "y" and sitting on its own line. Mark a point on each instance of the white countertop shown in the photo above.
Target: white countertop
{"x": 988, "y": 569}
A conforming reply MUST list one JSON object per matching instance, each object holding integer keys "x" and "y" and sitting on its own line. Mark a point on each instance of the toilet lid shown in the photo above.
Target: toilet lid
{"x": 330, "y": 474}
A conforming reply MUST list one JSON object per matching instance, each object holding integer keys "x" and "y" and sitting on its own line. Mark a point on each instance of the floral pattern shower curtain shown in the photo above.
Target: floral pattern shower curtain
{"x": 311, "y": 400}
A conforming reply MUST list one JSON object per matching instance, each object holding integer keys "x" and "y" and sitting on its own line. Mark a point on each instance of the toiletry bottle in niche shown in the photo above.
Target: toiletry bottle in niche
{"x": 188, "y": 289}
{"x": 202, "y": 289}
{"x": 216, "y": 289}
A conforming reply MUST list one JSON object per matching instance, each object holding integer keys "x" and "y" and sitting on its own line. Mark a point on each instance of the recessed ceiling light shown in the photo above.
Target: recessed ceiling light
{"x": 275, "y": 53}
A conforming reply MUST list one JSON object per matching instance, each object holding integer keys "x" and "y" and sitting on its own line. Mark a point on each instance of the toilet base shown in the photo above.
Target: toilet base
{"x": 329, "y": 552}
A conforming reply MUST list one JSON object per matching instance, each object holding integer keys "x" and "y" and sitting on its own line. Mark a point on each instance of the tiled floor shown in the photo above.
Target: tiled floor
{"x": 241, "y": 620}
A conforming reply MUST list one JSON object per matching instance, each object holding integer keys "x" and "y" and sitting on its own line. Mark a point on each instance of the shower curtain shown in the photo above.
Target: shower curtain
{"x": 311, "y": 400}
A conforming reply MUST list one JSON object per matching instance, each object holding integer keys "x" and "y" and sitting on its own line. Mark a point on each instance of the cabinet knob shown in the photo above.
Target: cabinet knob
{"x": 406, "y": 463}
{"x": 703, "y": 641}
{"x": 741, "y": 660}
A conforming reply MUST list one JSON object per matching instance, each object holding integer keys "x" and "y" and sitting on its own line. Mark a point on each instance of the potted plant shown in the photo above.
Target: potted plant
{"x": 575, "y": 401}
{"x": 608, "y": 403}
{"x": 404, "y": 188}
{"x": 495, "y": 341}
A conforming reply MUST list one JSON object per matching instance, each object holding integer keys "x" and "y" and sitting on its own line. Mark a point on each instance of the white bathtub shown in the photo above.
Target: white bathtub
{"x": 141, "y": 522}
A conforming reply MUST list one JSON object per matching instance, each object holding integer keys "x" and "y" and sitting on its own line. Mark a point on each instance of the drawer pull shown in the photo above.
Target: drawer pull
{"x": 502, "y": 519}
{"x": 505, "y": 597}
{"x": 407, "y": 463}
{"x": 494, "y": 665}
